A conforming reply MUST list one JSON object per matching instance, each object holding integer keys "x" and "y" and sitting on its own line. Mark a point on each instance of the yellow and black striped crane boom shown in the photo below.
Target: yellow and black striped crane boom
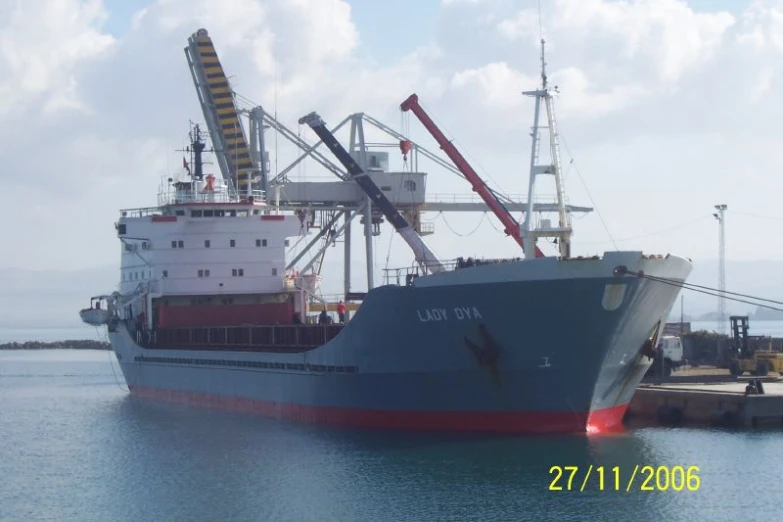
{"x": 221, "y": 114}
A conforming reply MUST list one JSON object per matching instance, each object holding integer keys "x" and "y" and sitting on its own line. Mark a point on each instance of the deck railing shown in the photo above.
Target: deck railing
{"x": 403, "y": 276}
{"x": 286, "y": 338}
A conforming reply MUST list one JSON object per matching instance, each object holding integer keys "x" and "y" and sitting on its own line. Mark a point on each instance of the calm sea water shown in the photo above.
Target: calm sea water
{"x": 74, "y": 446}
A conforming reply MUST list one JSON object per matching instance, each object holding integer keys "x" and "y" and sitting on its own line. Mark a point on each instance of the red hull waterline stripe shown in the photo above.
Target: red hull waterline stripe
{"x": 608, "y": 420}
{"x": 163, "y": 219}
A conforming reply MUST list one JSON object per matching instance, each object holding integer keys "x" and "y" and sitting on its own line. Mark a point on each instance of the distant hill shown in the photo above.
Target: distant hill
{"x": 756, "y": 278}
{"x": 59, "y": 345}
{"x": 765, "y": 314}
{"x": 50, "y": 299}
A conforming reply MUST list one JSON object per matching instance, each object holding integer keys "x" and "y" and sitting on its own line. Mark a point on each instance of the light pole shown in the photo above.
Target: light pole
{"x": 721, "y": 217}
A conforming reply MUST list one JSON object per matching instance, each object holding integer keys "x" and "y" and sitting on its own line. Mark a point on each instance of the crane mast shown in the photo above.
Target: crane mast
{"x": 221, "y": 114}
{"x": 563, "y": 231}
{"x": 512, "y": 227}
{"x": 425, "y": 257}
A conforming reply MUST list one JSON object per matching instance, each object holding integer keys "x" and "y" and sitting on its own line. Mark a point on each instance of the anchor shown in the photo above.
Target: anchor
{"x": 488, "y": 354}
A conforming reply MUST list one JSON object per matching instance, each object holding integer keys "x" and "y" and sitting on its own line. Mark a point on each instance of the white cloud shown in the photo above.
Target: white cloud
{"x": 42, "y": 43}
{"x": 762, "y": 26}
{"x": 496, "y": 83}
{"x": 499, "y": 87}
{"x": 666, "y": 33}
{"x": 656, "y": 107}
{"x": 763, "y": 83}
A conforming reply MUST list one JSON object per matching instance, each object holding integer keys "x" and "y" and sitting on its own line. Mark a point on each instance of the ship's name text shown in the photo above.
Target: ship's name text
{"x": 460, "y": 313}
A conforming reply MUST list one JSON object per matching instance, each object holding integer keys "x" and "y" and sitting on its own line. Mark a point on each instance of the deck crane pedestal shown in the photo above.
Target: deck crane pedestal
{"x": 512, "y": 227}
{"x": 425, "y": 257}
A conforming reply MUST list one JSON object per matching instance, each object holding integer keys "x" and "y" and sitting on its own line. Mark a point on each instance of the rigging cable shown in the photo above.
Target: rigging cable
{"x": 399, "y": 191}
{"x": 704, "y": 289}
{"x": 104, "y": 337}
{"x": 662, "y": 231}
{"x": 468, "y": 158}
{"x": 483, "y": 216}
{"x": 587, "y": 190}
{"x": 756, "y": 215}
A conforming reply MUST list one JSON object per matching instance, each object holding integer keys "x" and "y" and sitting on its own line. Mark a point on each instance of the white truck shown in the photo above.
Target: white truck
{"x": 668, "y": 356}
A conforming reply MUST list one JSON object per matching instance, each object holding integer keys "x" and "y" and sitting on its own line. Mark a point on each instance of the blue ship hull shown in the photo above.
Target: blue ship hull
{"x": 531, "y": 346}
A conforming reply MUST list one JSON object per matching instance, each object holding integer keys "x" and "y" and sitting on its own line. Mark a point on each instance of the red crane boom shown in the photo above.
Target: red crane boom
{"x": 505, "y": 217}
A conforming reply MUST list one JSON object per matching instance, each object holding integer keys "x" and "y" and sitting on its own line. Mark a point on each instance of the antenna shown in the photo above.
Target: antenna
{"x": 540, "y": 29}
{"x": 277, "y": 155}
{"x": 721, "y": 217}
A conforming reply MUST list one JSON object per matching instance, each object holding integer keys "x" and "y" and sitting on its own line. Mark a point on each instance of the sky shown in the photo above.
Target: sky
{"x": 667, "y": 108}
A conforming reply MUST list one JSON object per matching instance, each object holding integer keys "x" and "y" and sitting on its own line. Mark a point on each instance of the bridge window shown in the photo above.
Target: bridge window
{"x": 128, "y": 247}
{"x": 274, "y": 271}
{"x": 258, "y": 242}
{"x": 206, "y": 243}
{"x": 144, "y": 245}
{"x": 206, "y": 273}
{"x": 232, "y": 243}
{"x": 180, "y": 244}
{"x": 201, "y": 273}
{"x": 209, "y": 213}
{"x": 263, "y": 242}
{"x": 287, "y": 242}
{"x": 237, "y": 272}
{"x": 195, "y": 213}
{"x": 165, "y": 274}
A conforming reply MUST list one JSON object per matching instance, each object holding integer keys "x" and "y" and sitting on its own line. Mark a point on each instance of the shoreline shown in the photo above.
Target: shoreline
{"x": 82, "y": 344}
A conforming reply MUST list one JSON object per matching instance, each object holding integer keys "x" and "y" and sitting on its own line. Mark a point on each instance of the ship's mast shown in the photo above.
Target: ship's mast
{"x": 198, "y": 146}
{"x": 562, "y": 232}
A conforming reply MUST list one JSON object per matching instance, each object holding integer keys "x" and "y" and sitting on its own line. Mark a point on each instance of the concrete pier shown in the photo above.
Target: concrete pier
{"x": 712, "y": 403}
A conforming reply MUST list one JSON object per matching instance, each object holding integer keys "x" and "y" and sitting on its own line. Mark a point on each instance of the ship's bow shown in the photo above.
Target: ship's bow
{"x": 658, "y": 282}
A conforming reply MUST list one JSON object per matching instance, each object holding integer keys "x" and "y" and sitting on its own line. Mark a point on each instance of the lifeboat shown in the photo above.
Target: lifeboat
{"x": 97, "y": 315}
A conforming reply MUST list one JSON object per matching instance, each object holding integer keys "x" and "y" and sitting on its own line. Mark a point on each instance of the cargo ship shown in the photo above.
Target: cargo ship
{"x": 212, "y": 310}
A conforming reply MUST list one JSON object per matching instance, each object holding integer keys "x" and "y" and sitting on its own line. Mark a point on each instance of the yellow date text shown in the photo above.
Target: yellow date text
{"x": 616, "y": 478}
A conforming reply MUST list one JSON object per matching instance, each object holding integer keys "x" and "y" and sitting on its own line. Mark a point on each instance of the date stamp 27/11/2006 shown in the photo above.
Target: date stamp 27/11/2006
{"x": 641, "y": 478}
